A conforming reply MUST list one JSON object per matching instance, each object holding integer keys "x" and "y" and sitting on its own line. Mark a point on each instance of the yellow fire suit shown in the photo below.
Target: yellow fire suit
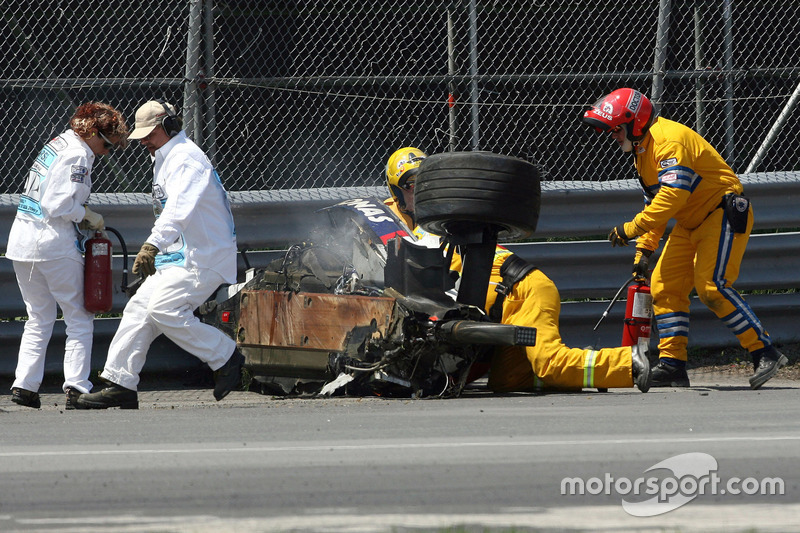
{"x": 549, "y": 365}
{"x": 684, "y": 178}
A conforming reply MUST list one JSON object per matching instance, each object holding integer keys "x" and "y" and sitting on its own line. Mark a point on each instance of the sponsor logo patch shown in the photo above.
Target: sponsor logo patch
{"x": 58, "y": 144}
{"x": 158, "y": 192}
{"x": 741, "y": 204}
{"x": 77, "y": 178}
{"x": 634, "y": 101}
{"x": 668, "y": 162}
{"x": 669, "y": 177}
{"x": 78, "y": 169}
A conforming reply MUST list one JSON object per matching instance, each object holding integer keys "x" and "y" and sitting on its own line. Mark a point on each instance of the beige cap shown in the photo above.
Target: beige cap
{"x": 148, "y": 117}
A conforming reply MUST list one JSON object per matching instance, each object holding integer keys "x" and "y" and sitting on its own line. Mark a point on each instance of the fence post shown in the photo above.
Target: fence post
{"x": 699, "y": 89}
{"x": 473, "y": 73}
{"x": 662, "y": 41}
{"x": 210, "y": 89}
{"x": 730, "y": 139}
{"x": 451, "y": 71}
{"x": 191, "y": 98}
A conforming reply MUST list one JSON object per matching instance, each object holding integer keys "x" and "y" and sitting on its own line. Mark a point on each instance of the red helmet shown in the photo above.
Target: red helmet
{"x": 623, "y": 107}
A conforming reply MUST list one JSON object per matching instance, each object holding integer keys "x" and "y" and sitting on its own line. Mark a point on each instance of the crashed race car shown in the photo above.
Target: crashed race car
{"x": 363, "y": 308}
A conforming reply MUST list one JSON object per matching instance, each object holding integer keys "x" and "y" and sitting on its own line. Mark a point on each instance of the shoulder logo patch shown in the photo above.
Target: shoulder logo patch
{"x": 666, "y": 163}
{"x": 58, "y": 143}
{"x": 669, "y": 177}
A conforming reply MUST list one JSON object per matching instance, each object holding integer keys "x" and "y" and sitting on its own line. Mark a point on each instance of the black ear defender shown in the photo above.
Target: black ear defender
{"x": 171, "y": 122}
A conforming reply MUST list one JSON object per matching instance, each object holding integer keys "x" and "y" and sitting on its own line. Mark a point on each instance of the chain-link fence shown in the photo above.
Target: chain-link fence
{"x": 308, "y": 94}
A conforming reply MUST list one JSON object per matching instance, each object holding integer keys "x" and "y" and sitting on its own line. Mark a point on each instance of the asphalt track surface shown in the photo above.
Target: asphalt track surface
{"x": 482, "y": 462}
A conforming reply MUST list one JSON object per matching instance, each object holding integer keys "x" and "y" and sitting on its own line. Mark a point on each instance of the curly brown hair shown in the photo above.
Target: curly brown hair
{"x": 102, "y": 116}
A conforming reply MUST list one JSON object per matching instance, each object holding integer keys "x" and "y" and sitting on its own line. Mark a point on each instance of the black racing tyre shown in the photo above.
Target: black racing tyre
{"x": 461, "y": 187}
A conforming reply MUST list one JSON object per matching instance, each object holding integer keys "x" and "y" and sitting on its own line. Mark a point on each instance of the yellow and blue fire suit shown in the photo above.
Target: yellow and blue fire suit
{"x": 684, "y": 178}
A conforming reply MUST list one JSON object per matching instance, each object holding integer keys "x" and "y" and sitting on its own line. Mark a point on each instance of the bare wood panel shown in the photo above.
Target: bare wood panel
{"x": 310, "y": 321}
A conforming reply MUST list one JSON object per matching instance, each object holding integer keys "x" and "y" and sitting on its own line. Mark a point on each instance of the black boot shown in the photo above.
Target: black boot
{"x": 770, "y": 361}
{"x": 669, "y": 375}
{"x": 229, "y": 375}
{"x": 72, "y": 395}
{"x": 112, "y": 396}
{"x": 640, "y": 368}
{"x": 25, "y": 397}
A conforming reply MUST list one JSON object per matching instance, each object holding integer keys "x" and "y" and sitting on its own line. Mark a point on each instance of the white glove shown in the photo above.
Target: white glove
{"x": 92, "y": 220}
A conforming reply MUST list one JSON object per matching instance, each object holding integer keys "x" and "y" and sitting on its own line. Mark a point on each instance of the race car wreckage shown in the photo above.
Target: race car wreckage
{"x": 364, "y": 308}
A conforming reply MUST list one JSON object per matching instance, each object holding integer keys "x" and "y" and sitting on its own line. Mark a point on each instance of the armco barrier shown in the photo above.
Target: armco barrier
{"x": 587, "y": 272}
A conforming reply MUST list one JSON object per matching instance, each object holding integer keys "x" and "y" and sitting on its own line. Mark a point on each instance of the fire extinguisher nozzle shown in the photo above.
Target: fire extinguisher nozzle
{"x": 598, "y": 322}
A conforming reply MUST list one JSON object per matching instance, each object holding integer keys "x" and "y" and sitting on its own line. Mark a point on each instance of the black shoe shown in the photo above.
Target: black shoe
{"x": 72, "y": 395}
{"x": 112, "y": 396}
{"x": 25, "y": 397}
{"x": 229, "y": 375}
{"x": 756, "y": 360}
{"x": 771, "y": 361}
{"x": 666, "y": 375}
{"x": 640, "y": 368}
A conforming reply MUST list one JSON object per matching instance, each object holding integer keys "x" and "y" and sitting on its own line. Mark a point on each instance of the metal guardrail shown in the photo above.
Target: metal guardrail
{"x": 585, "y": 271}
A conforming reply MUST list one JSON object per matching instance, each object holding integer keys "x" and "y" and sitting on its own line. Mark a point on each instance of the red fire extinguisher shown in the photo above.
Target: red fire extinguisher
{"x": 97, "y": 282}
{"x": 638, "y": 315}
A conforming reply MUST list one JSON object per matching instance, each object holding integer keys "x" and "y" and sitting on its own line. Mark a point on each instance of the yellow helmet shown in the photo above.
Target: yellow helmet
{"x": 402, "y": 166}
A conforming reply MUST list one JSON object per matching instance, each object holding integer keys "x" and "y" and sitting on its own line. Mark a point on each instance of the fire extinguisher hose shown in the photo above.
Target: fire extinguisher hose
{"x": 614, "y": 300}
{"x": 124, "y": 284}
